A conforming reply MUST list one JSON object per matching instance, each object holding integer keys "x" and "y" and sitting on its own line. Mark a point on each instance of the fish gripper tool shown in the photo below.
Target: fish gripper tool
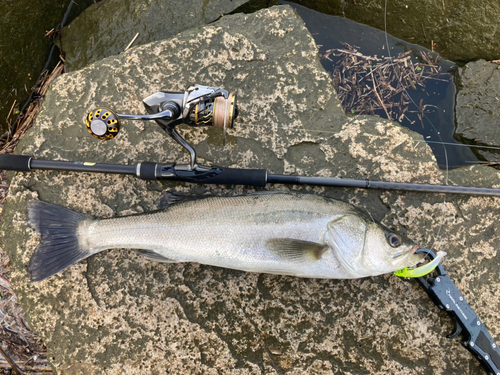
{"x": 476, "y": 338}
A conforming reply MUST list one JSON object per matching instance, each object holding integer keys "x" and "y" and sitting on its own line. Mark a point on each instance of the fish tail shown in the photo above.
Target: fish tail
{"x": 59, "y": 247}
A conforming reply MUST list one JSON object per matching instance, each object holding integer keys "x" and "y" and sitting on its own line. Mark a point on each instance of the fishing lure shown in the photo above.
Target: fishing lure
{"x": 422, "y": 270}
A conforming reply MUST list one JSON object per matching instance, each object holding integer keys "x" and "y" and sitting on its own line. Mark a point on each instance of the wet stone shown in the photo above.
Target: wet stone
{"x": 25, "y": 48}
{"x": 117, "y": 313}
{"x": 478, "y": 106}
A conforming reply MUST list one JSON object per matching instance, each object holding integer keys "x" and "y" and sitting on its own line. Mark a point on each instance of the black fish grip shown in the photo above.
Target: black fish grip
{"x": 476, "y": 338}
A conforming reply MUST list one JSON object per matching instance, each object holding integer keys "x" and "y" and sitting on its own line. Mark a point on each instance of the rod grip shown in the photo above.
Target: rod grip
{"x": 215, "y": 175}
{"x": 235, "y": 176}
{"x": 10, "y": 162}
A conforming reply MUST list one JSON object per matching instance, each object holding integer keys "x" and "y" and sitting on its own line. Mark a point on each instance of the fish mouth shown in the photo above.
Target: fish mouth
{"x": 415, "y": 259}
{"x": 407, "y": 253}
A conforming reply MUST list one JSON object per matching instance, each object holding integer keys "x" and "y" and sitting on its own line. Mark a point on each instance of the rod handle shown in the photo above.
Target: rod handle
{"x": 235, "y": 176}
{"x": 215, "y": 175}
{"x": 10, "y": 162}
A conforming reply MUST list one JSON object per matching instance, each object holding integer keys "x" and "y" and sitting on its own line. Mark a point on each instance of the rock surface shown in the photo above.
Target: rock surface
{"x": 478, "y": 107}
{"x": 107, "y": 28}
{"x": 117, "y": 313}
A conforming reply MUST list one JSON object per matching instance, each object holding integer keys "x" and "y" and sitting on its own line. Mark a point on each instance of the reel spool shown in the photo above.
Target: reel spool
{"x": 103, "y": 123}
{"x": 219, "y": 112}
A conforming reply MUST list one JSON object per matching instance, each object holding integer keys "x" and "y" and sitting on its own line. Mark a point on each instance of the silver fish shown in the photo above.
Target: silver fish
{"x": 287, "y": 234}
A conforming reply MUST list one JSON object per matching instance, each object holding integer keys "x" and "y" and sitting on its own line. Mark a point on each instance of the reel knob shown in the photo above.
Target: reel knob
{"x": 103, "y": 123}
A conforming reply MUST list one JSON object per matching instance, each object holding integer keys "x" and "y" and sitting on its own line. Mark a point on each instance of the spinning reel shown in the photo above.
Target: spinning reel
{"x": 198, "y": 106}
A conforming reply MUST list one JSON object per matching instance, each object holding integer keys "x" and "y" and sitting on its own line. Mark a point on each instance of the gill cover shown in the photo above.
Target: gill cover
{"x": 347, "y": 236}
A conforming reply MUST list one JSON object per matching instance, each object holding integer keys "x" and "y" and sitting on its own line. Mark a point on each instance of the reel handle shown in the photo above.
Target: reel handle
{"x": 103, "y": 123}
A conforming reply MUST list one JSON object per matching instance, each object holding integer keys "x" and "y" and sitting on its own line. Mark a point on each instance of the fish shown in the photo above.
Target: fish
{"x": 296, "y": 234}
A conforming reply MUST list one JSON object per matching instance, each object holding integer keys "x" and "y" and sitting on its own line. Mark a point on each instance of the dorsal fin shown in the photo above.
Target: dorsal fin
{"x": 169, "y": 198}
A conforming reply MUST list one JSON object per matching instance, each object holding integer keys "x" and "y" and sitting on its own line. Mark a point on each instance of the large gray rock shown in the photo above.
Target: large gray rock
{"x": 478, "y": 107}
{"x": 107, "y": 28}
{"x": 117, "y": 313}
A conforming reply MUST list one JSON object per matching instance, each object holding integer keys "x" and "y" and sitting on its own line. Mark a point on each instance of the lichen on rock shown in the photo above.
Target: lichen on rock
{"x": 108, "y": 28}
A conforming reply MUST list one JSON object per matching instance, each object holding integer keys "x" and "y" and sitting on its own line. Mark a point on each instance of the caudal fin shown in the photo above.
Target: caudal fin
{"x": 59, "y": 246}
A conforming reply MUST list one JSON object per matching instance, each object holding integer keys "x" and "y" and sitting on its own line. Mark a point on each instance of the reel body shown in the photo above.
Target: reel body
{"x": 200, "y": 106}
{"x": 197, "y": 106}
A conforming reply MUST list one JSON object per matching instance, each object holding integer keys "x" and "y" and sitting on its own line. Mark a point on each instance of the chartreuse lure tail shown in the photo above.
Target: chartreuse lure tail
{"x": 422, "y": 270}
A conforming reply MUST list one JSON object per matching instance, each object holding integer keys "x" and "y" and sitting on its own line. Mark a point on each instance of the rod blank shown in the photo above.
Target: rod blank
{"x": 381, "y": 185}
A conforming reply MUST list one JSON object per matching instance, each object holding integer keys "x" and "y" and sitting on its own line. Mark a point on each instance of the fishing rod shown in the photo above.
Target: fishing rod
{"x": 202, "y": 106}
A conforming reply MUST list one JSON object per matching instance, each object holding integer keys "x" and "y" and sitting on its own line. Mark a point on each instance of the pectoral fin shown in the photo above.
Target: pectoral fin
{"x": 296, "y": 251}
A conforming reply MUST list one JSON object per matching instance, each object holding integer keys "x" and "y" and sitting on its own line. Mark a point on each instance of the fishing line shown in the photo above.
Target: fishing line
{"x": 458, "y": 144}
{"x": 425, "y": 117}
{"x": 295, "y": 128}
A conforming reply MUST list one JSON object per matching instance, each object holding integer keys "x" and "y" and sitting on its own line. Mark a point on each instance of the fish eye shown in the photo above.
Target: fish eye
{"x": 394, "y": 240}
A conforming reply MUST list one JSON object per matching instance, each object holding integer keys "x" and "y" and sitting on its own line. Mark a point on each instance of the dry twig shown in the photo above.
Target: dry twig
{"x": 12, "y": 364}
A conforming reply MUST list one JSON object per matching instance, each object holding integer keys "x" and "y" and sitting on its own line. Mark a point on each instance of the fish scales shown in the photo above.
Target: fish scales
{"x": 289, "y": 234}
